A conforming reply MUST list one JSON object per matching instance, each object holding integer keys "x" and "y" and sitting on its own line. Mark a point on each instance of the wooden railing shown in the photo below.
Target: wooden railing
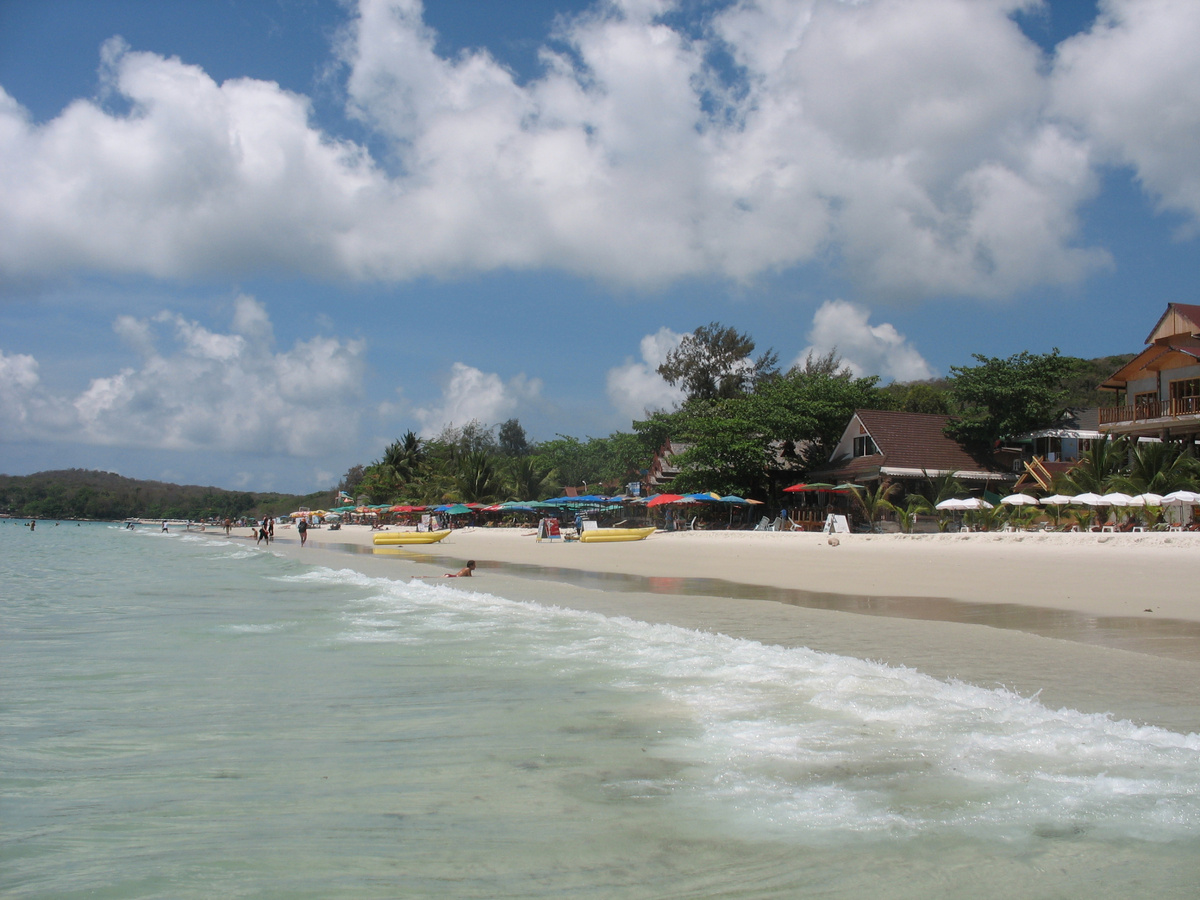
{"x": 1150, "y": 409}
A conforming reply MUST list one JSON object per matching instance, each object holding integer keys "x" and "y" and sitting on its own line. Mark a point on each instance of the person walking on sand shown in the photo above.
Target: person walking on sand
{"x": 302, "y": 527}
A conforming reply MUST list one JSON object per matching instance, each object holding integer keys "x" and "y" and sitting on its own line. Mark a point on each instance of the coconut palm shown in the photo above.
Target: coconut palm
{"x": 1098, "y": 469}
{"x": 477, "y": 480}
{"x": 527, "y": 480}
{"x": 914, "y": 505}
{"x": 1159, "y": 467}
{"x": 874, "y": 503}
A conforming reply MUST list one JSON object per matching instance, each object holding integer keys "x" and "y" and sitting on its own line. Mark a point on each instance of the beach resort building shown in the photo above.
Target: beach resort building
{"x": 908, "y": 448}
{"x": 1159, "y": 389}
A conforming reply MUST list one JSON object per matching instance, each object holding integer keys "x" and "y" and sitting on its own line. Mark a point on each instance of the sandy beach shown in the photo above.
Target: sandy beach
{"x": 1108, "y": 623}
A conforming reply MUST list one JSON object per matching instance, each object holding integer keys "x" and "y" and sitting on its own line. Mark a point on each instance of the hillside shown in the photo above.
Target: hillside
{"x": 87, "y": 494}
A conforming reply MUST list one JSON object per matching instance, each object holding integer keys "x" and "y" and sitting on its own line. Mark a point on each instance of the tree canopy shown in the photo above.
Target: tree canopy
{"x": 1000, "y": 398}
{"x": 716, "y": 362}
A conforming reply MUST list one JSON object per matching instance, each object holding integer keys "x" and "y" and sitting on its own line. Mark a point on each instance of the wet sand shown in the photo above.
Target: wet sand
{"x": 1102, "y": 623}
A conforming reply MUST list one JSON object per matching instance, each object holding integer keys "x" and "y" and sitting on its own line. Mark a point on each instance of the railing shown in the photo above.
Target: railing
{"x": 1150, "y": 409}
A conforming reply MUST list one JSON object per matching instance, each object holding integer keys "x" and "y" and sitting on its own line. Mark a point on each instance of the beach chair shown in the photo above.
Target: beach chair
{"x": 763, "y": 525}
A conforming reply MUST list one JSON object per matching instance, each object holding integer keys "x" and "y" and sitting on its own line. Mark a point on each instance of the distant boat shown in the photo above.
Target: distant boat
{"x": 392, "y": 538}
{"x": 606, "y": 535}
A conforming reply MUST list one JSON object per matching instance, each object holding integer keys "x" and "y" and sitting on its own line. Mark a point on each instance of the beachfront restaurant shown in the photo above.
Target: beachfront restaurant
{"x": 906, "y": 448}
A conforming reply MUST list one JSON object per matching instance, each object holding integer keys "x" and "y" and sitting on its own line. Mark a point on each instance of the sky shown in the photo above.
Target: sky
{"x": 249, "y": 243}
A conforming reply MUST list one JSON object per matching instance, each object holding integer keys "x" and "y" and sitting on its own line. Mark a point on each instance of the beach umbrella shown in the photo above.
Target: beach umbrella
{"x": 976, "y": 503}
{"x": 1176, "y": 498}
{"x": 1019, "y": 500}
{"x": 813, "y": 486}
{"x": 1057, "y": 500}
{"x": 952, "y": 504}
{"x": 1117, "y": 499}
{"x": 1147, "y": 499}
{"x": 662, "y": 499}
{"x": 702, "y": 497}
{"x": 845, "y": 488}
{"x": 1087, "y": 499}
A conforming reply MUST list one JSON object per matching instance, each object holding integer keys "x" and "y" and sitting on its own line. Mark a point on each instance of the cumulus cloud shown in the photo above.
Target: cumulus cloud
{"x": 196, "y": 388}
{"x": 927, "y": 144}
{"x": 635, "y": 387}
{"x": 1132, "y": 84}
{"x": 472, "y": 395}
{"x": 867, "y": 349}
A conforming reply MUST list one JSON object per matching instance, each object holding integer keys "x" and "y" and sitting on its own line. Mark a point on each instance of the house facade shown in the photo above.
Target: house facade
{"x": 1159, "y": 390}
{"x": 886, "y": 445}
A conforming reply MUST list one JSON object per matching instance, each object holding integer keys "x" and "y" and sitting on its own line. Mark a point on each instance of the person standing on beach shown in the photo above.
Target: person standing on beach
{"x": 302, "y": 527}
{"x": 270, "y": 530}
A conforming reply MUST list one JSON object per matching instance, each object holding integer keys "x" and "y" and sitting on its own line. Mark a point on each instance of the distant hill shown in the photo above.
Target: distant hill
{"x": 88, "y": 494}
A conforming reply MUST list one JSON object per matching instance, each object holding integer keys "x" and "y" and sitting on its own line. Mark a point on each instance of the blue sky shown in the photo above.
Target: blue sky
{"x": 250, "y": 242}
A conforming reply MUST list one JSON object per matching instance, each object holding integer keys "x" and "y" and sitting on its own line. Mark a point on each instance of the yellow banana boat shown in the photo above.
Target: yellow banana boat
{"x": 394, "y": 538}
{"x": 606, "y": 535}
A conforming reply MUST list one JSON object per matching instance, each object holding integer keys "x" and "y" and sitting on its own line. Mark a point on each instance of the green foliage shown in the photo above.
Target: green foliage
{"x": 1099, "y": 469}
{"x": 1000, "y": 398}
{"x": 528, "y": 479}
{"x": 477, "y": 479}
{"x": 513, "y": 441}
{"x": 1159, "y": 468}
{"x": 85, "y": 494}
{"x": 714, "y": 362}
{"x": 875, "y": 502}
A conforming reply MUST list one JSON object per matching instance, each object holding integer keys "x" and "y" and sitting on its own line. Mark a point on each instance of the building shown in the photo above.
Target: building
{"x": 885, "y": 445}
{"x": 1159, "y": 389}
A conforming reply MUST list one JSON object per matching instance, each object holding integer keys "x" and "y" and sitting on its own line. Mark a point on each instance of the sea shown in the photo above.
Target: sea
{"x": 189, "y": 716}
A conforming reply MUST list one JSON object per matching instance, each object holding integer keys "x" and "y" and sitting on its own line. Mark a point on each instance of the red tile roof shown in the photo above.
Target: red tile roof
{"x": 913, "y": 441}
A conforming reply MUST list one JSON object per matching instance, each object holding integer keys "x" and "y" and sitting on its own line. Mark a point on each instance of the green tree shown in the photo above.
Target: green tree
{"x": 513, "y": 441}
{"x": 1159, "y": 467}
{"x": 716, "y": 362}
{"x": 1001, "y": 398}
{"x": 528, "y": 479}
{"x": 478, "y": 479}
{"x": 875, "y": 502}
{"x": 1099, "y": 469}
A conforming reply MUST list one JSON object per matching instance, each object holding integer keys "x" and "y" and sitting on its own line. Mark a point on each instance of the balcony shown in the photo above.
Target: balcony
{"x": 1158, "y": 412}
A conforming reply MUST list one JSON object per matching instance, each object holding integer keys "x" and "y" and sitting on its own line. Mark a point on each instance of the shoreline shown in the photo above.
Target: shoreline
{"x": 1072, "y": 636}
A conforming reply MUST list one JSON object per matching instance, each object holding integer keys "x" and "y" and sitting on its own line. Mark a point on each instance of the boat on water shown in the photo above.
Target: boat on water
{"x": 397, "y": 538}
{"x": 606, "y": 535}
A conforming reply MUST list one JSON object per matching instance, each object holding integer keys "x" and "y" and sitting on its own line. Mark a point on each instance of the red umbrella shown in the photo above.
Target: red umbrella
{"x": 664, "y": 498}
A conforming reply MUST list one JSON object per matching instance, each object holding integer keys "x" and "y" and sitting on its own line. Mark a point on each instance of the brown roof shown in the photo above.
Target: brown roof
{"x": 912, "y": 441}
{"x": 1180, "y": 319}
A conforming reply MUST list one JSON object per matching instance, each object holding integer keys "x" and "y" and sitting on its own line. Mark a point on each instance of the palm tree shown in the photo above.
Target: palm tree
{"x": 874, "y": 502}
{"x": 527, "y": 480}
{"x": 914, "y": 505}
{"x": 1099, "y": 468}
{"x": 404, "y": 457}
{"x": 1159, "y": 468}
{"x": 477, "y": 480}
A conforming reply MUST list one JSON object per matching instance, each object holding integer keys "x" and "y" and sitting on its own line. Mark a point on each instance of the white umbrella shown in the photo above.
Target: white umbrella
{"x": 1117, "y": 499}
{"x": 976, "y": 503}
{"x": 1182, "y": 497}
{"x": 1057, "y": 500}
{"x": 1019, "y": 500}
{"x": 1088, "y": 499}
{"x": 952, "y": 504}
{"x": 1147, "y": 499}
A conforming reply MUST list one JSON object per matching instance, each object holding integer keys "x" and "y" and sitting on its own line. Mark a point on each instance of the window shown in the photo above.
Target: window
{"x": 1185, "y": 396}
{"x": 864, "y": 446}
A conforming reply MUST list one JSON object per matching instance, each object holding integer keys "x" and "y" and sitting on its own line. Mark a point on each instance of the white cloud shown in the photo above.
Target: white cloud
{"x": 207, "y": 390}
{"x": 473, "y": 395}
{"x": 635, "y": 387}
{"x": 927, "y": 143}
{"x": 867, "y": 349}
{"x": 1132, "y": 84}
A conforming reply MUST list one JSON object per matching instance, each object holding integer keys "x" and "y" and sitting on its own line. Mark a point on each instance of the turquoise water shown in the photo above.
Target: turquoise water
{"x": 182, "y": 716}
